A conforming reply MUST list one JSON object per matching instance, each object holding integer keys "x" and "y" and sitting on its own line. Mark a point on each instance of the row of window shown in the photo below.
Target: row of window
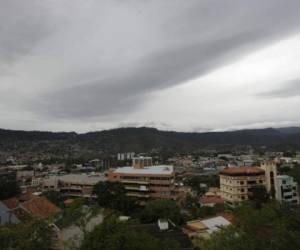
{"x": 248, "y": 182}
{"x": 141, "y": 178}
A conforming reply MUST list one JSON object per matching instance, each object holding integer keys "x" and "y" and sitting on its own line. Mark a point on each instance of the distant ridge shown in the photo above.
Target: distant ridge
{"x": 144, "y": 139}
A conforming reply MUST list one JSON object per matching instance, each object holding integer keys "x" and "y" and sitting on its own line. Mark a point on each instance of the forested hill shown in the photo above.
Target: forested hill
{"x": 145, "y": 139}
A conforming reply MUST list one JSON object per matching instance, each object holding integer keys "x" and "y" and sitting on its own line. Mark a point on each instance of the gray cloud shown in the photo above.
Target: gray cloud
{"x": 111, "y": 54}
{"x": 288, "y": 89}
{"x": 210, "y": 34}
{"x": 22, "y": 26}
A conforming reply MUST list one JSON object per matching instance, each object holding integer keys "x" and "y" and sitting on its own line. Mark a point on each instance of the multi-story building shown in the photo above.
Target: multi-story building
{"x": 286, "y": 189}
{"x": 125, "y": 156}
{"x": 78, "y": 185}
{"x": 145, "y": 181}
{"x": 236, "y": 183}
{"x": 140, "y": 162}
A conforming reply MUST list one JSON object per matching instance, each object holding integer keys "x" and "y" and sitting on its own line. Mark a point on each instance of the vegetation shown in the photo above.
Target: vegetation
{"x": 294, "y": 172}
{"x": 35, "y": 235}
{"x": 273, "y": 227}
{"x": 195, "y": 181}
{"x": 157, "y": 209}
{"x": 55, "y": 197}
{"x": 196, "y": 211}
{"x": 113, "y": 195}
{"x": 258, "y": 196}
{"x": 8, "y": 188}
{"x": 115, "y": 235}
{"x": 72, "y": 213}
{"x": 137, "y": 140}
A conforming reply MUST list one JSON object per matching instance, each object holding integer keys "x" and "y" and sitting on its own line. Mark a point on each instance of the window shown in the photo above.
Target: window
{"x": 242, "y": 183}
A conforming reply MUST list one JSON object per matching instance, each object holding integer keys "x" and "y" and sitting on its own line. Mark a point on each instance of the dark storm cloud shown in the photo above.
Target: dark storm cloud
{"x": 211, "y": 34}
{"x": 288, "y": 89}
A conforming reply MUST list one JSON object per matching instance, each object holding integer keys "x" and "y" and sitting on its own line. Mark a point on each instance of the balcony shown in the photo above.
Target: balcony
{"x": 138, "y": 188}
{"x": 135, "y": 182}
{"x": 141, "y": 195}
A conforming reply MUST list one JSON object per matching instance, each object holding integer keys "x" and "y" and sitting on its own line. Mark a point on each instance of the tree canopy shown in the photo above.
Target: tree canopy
{"x": 36, "y": 235}
{"x": 115, "y": 235}
{"x": 273, "y": 227}
{"x": 113, "y": 195}
{"x": 8, "y": 188}
{"x": 157, "y": 209}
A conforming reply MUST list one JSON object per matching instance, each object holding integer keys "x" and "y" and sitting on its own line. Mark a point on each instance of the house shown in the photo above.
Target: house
{"x": 213, "y": 191}
{"x": 204, "y": 228}
{"x": 211, "y": 201}
{"x": 7, "y": 216}
{"x": 27, "y": 206}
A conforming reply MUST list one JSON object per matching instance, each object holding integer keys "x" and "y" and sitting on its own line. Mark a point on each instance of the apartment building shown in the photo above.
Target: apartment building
{"x": 237, "y": 183}
{"x": 145, "y": 181}
{"x": 286, "y": 189}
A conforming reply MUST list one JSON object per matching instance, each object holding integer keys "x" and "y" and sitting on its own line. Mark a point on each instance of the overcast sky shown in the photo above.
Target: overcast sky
{"x": 186, "y": 65}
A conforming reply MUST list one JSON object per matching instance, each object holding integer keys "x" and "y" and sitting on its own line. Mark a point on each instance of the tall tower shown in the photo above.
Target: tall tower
{"x": 270, "y": 168}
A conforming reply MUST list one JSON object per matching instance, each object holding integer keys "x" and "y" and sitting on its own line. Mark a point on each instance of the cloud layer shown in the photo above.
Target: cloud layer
{"x": 98, "y": 64}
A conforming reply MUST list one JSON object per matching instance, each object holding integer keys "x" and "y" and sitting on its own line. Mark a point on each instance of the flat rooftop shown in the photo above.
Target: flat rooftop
{"x": 159, "y": 170}
{"x": 80, "y": 178}
{"x": 241, "y": 171}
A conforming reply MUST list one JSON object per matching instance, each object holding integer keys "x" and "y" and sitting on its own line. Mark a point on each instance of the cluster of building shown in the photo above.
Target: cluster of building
{"x": 238, "y": 184}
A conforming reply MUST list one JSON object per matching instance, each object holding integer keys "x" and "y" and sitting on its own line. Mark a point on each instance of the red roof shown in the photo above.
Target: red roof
{"x": 33, "y": 205}
{"x": 40, "y": 207}
{"x": 211, "y": 200}
{"x": 243, "y": 171}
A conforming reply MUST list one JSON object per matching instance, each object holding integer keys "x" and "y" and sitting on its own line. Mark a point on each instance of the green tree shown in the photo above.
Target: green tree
{"x": 113, "y": 195}
{"x": 36, "y": 235}
{"x": 72, "y": 213}
{"x": 55, "y": 197}
{"x": 156, "y": 209}
{"x": 294, "y": 172}
{"x": 258, "y": 195}
{"x": 272, "y": 227}
{"x": 115, "y": 235}
{"x": 8, "y": 188}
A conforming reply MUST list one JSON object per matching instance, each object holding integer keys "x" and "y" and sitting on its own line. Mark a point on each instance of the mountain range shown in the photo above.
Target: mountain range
{"x": 145, "y": 139}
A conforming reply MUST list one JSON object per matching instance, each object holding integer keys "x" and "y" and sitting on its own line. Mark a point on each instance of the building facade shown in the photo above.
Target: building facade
{"x": 77, "y": 185}
{"x": 144, "y": 181}
{"x": 236, "y": 183}
{"x": 286, "y": 189}
{"x": 270, "y": 169}
{"x": 141, "y": 162}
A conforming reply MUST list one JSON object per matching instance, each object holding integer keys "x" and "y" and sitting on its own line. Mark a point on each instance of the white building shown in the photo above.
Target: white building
{"x": 286, "y": 189}
{"x": 140, "y": 162}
